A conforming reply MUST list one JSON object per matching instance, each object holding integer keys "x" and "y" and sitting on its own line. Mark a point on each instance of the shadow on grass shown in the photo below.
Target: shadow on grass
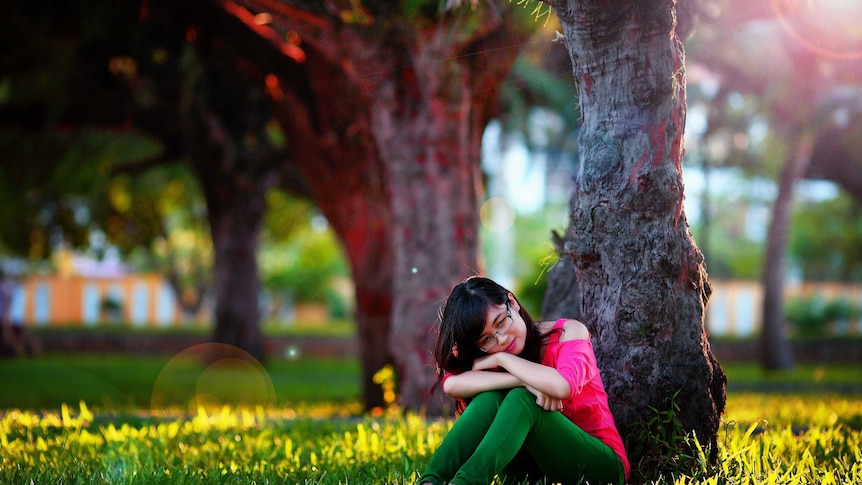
{"x": 123, "y": 382}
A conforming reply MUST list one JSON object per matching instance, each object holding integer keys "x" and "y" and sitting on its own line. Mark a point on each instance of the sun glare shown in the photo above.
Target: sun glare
{"x": 832, "y": 28}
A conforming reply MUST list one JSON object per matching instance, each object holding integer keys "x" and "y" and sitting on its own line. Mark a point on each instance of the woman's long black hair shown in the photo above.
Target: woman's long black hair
{"x": 462, "y": 322}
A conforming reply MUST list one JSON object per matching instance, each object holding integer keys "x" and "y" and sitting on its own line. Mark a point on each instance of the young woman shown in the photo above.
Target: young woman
{"x": 536, "y": 408}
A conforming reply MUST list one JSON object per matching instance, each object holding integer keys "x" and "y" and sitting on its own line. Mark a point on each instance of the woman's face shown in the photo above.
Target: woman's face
{"x": 504, "y": 330}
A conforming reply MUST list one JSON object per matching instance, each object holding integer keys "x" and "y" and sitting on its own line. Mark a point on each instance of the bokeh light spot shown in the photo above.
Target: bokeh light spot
{"x": 211, "y": 375}
{"x": 497, "y": 214}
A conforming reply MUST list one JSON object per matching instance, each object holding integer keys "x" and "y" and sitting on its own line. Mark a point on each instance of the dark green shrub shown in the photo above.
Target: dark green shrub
{"x": 806, "y": 315}
{"x": 840, "y": 308}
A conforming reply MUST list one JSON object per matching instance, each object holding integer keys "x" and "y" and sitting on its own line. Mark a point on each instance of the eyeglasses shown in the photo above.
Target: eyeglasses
{"x": 488, "y": 342}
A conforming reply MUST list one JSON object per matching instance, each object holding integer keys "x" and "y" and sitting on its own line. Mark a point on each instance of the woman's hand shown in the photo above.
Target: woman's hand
{"x": 495, "y": 361}
{"x": 541, "y": 377}
{"x": 545, "y": 401}
{"x": 488, "y": 362}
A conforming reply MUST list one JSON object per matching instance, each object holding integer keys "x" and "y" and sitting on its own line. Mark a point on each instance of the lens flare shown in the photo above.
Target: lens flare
{"x": 831, "y": 28}
{"x": 211, "y": 375}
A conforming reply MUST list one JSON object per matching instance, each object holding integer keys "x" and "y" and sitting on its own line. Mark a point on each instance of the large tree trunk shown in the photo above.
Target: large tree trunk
{"x": 344, "y": 176}
{"x": 776, "y": 353}
{"x": 429, "y": 149}
{"x": 431, "y": 143}
{"x": 334, "y": 152}
{"x": 387, "y": 118}
{"x": 361, "y": 217}
{"x": 643, "y": 283}
{"x": 563, "y": 295}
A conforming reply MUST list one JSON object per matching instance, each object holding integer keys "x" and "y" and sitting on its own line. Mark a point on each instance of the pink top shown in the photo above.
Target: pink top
{"x": 587, "y": 407}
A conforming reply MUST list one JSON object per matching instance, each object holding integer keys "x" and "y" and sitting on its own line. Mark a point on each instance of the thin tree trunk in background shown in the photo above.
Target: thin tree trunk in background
{"x": 236, "y": 166}
{"x": 776, "y": 351}
{"x": 644, "y": 286}
{"x": 236, "y": 225}
{"x": 706, "y": 216}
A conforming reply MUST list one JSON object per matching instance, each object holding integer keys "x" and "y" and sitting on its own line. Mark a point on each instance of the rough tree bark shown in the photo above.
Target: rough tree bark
{"x": 563, "y": 295}
{"x": 431, "y": 149}
{"x": 388, "y": 113}
{"x": 642, "y": 278}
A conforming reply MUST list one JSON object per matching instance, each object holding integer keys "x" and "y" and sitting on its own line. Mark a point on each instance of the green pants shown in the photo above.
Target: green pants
{"x": 504, "y": 433}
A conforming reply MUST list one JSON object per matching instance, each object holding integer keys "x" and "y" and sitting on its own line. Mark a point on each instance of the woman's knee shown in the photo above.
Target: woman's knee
{"x": 522, "y": 394}
{"x": 520, "y": 397}
{"x": 493, "y": 398}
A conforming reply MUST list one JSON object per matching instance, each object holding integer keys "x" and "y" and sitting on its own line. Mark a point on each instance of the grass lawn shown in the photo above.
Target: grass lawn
{"x": 298, "y": 422}
{"x": 329, "y": 328}
{"x": 844, "y": 378}
{"x": 122, "y": 382}
{"x": 139, "y": 382}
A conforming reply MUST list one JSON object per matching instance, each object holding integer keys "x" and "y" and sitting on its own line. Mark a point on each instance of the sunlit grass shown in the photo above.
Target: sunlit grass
{"x": 91, "y": 419}
{"x": 226, "y": 445}
{"x": 791, "y": 439}
{"x": 765, "y": 439}
{"x": 771, "y": 410}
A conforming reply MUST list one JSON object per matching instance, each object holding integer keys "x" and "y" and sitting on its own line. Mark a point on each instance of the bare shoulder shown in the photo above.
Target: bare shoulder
{"x": 574, "y": 330}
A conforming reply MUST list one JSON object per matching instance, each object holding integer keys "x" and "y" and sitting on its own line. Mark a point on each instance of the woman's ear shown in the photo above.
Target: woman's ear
{"x": 455, "y": 351}
{"x": 513, "y": 303}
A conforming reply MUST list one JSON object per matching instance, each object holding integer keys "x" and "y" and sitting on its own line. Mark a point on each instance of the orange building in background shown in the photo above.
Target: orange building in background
{"x": 142, "y": 300}
{"x": 147, "y": 301}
